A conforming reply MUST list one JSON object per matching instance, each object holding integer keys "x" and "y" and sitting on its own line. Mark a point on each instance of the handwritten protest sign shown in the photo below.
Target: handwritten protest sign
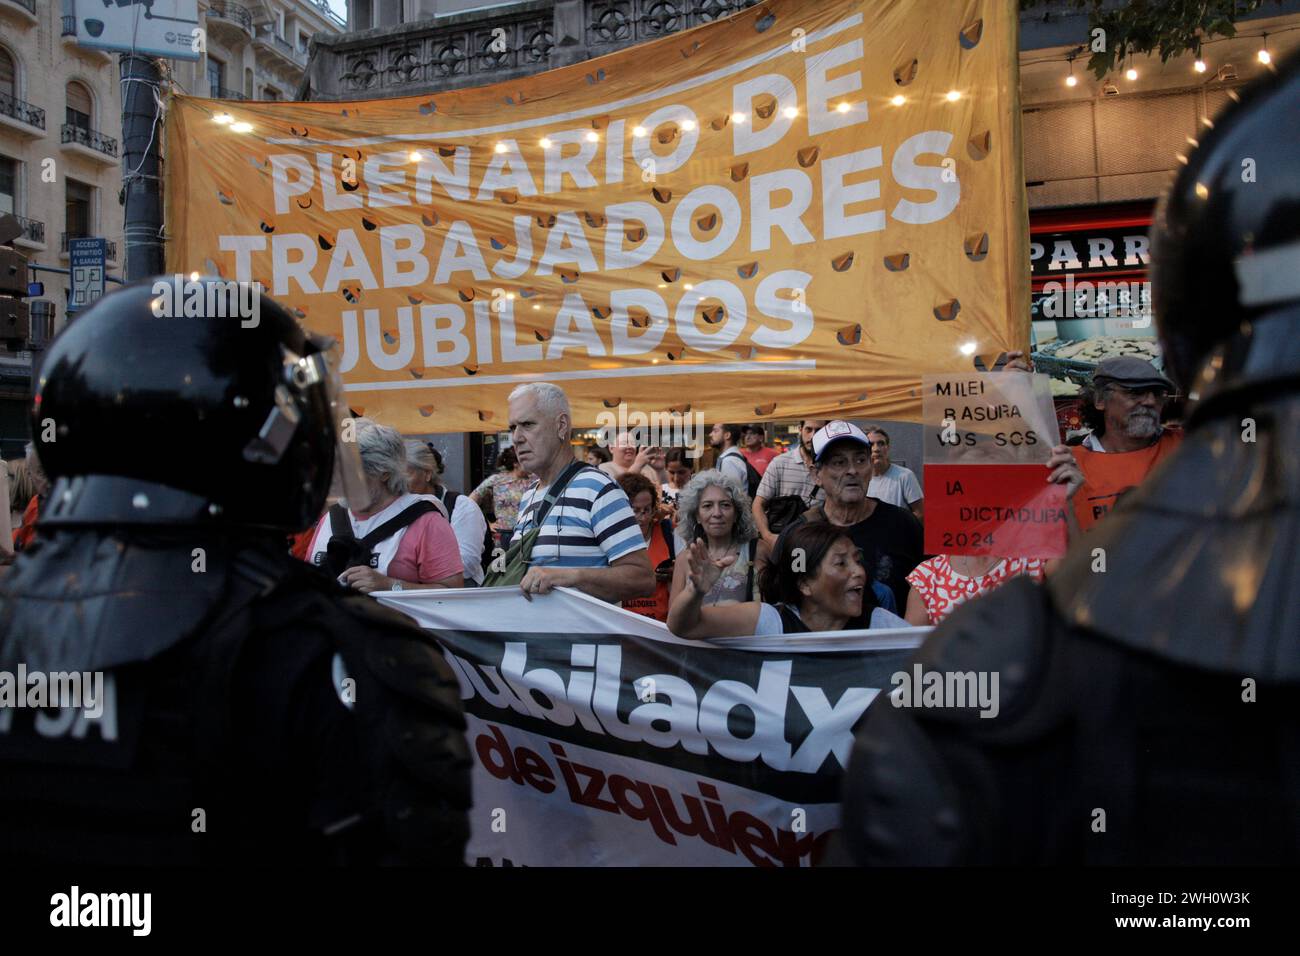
{"x": 987, "y": 441}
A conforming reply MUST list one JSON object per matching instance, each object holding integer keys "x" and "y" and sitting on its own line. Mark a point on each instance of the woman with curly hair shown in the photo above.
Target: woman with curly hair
{"x": 817, "y": 583}
{"x": 714, "y": 509}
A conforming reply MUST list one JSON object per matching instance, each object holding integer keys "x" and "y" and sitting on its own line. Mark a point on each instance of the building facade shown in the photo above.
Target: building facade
{"x": 60, "y": 170}
{"x": 255, "y": 49}
{"x": 61, "y": 137}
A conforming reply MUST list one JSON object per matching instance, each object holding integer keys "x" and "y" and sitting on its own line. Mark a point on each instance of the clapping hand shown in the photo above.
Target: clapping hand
{"x": 702, "y": 570}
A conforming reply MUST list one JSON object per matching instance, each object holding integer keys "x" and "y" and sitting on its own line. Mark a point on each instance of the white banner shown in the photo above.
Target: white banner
{"x": 599, "y": 738}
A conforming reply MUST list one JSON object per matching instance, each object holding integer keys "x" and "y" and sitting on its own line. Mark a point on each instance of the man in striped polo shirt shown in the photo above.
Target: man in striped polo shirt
{"x": 590, "y": 539}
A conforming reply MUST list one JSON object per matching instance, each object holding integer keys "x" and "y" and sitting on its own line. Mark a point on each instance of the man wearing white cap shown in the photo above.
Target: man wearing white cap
{"x": 890, "y": 537}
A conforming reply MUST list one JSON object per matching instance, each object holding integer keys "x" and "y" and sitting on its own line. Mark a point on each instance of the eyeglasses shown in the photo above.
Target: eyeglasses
{"x": 1159, "y": 392}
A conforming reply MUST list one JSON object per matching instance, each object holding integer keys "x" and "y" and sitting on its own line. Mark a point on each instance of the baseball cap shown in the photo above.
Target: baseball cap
{"x": 1130, "y": 371}
{"x": 835, "y": 431}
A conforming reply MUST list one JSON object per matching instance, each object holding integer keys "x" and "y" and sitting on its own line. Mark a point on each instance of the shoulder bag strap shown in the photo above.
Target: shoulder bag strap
{"x": 397, "y": 523}
{"x": 554, "y": 492}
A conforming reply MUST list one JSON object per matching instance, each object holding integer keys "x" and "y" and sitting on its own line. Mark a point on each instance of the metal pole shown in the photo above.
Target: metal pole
{"x": 141, "y": 165}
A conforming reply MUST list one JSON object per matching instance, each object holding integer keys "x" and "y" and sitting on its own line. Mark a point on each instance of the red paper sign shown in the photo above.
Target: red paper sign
{"x": 1002, "y": 510}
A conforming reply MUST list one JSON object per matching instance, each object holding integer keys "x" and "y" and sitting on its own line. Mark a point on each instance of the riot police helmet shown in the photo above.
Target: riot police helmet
{"x": 183, "y": 400}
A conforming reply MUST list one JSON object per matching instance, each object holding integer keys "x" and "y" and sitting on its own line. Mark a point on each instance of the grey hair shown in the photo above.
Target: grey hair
{"x": 688, "y": 503}
{"x": 550, "y": 399}
{"x": 382, "y": 452}
{"x": 420, "y": 457}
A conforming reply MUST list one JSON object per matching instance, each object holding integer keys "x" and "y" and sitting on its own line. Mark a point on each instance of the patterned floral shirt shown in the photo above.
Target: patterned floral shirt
{"x": 943, "y": 589}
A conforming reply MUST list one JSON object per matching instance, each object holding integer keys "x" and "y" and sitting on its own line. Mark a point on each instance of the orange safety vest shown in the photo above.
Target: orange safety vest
{"x": 655, "y": 606}
{"x": 1107, "y": 475}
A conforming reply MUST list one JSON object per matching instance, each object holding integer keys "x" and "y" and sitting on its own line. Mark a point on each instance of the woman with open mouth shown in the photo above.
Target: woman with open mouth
{"x": 817, "y": 583}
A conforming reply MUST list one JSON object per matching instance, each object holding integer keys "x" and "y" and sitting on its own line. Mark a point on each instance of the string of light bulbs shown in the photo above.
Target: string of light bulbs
{"x": 1199, "y": 65}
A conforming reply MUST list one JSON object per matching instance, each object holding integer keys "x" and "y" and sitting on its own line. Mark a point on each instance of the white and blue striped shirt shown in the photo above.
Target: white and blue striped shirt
{"x": 591, "y": 524}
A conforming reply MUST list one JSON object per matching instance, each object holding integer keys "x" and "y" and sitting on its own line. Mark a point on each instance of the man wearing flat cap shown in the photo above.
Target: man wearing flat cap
{"x": 1122, "y": 405}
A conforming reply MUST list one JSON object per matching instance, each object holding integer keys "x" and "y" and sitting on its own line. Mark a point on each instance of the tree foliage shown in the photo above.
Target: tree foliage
{"x": 1167, "y": 27}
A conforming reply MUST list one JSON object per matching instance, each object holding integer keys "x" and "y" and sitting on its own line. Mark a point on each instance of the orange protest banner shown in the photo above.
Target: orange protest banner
{"x": 795, "y": 211}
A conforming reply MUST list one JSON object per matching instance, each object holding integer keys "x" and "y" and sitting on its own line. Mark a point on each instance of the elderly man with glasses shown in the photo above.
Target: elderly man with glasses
{"x": 1122, "y": 406}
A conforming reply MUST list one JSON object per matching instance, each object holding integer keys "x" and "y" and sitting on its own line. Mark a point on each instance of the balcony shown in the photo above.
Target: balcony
{"x": 324, "y": 8}
{"x": 90, "y": 143}
{"x": 221, "y": 93}
{"x": 458, "y": 50}
{"x": 33, "y": 235}
{"x": 70, "y": 41}
{"x": 20, "y": 11}
{"x": 281, "y": 47}
{"x": 22, "y": 116}
{"x": 110, "y": 247}
{"x": 230, "y": 22}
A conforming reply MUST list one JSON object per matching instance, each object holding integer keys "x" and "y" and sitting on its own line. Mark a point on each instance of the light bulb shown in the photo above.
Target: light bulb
{"x": 968, "y": 348}
{"x": 843, "y": 108}
{"x": 415, "y": 156}
{"x": 738, "y": 117}
{"x": 1199, "y": 66}
{"x": 688, "y": 125}
{"x": 1130, "y": 74}
{"x": 1071, "y": 80}
{"x": 1265, "y": 57}
{"x": 544, "y": 142}
{"x": 898, "y": 99}
{"x": 500, "y": 147}
{"x": 953, "y": 96}
{"x": 593, "y": 137}
{"x": 790, "y": 112}
{"x": 638, "y": 131}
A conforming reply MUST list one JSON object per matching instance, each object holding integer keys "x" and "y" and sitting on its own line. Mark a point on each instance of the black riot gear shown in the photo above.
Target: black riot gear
{"x": 1226, "y": 240}
{"x": 234, "y": 408}
{"x": 245, "y": 707}
{"x": 1150, "y": 690}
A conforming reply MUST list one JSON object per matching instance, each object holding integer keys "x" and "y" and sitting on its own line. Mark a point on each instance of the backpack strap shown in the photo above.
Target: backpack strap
{"x": 340, "y": 523}
{"x": 666, "y": 528}
{"x": 749, "y": 573}
{"x": 397, "y": 523}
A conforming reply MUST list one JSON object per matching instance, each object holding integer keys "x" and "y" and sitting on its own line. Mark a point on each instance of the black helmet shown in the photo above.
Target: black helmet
{"x": 226, "y": 415}
{"x": 1226, "y": 244}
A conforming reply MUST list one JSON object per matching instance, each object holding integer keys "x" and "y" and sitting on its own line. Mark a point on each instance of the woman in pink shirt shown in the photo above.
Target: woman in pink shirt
{"x": 423, "y": 554}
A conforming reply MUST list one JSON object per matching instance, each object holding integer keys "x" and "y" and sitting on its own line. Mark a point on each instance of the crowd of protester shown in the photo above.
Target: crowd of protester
{"x": 825, "y": 535}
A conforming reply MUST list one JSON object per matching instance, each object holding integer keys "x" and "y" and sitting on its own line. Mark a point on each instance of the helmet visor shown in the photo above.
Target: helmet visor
{"x": 349, "y": 478}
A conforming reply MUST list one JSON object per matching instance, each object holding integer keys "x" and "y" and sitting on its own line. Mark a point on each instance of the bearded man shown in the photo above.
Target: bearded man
{"x": 1123, "y": 406}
